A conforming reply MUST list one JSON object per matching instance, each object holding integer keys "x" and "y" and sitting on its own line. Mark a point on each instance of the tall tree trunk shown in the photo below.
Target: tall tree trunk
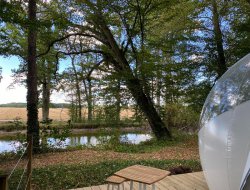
{"x": 89, "y": 100}
{"x": 89, "y": 97}
{"x": 158, "y": 90}
{"x": 222, "y": 68}
{"x": 121, "y": 65}
{"x": 32, "y": 93}
{"x": 118, "y": 100}
{"x": 78, "y": 91}
{"x": 45, "y": 100}
{"x": 146, "y": 105}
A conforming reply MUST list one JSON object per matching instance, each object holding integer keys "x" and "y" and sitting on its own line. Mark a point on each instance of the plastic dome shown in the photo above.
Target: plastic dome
{"x": 224, "y": 136}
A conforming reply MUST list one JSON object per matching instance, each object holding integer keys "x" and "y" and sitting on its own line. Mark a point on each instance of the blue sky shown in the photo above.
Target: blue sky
{"x": 18, "y": 93}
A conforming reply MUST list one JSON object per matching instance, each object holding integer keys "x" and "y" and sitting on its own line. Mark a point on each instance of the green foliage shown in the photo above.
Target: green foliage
{"x": 14, "y": 105}
{"x": 23, "y": 105}
{"x": 14, "y": 125}
{"x": 169, "y": 46}
{"x": 179, "y": 138}
{"x": 82, "y": 175}
{"x": 181, "y": 117}
{"x": 59, "y": 134}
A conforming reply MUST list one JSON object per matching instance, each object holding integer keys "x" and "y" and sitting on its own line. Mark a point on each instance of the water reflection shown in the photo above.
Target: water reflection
{"x": 232, "y": 89}
{"x": 132, "y": 138}
{"x": 8, "y": 146}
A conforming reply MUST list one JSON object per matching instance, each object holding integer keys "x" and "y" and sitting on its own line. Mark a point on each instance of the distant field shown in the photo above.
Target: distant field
{"x": 57, "y": 114}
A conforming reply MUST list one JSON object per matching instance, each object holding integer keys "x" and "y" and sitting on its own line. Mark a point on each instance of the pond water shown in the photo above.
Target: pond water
{"x": 90, "y": 140}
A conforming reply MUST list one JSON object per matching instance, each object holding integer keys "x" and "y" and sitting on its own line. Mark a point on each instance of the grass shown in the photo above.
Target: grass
{"x": 114, "y": 144}
{"x": 17, "y": 125}
{"x": 179, "y": 138}
{"x": 81, "y": 175}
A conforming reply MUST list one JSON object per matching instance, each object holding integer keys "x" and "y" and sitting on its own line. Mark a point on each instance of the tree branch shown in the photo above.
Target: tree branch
{"x": 64, "y": 38}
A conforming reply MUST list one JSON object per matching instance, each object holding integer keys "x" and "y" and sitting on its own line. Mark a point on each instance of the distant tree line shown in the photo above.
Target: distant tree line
{"x": 24, "y": 105}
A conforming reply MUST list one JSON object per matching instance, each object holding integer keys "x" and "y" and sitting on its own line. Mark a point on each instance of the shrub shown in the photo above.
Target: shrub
{"x": 181, "y": 117}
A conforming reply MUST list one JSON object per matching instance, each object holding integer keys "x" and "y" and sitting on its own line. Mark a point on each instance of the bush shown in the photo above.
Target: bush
{"x": 181, "y": 117}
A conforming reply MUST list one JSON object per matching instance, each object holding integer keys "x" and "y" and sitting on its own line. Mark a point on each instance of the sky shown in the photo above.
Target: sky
{"x": 18, "y": 93}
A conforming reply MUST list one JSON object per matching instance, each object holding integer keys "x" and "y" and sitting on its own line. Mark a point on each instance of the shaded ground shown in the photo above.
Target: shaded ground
{"x": 88, "y": 156}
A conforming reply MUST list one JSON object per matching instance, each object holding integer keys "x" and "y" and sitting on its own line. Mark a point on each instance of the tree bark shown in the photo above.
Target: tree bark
{"x": 89, "y": 100}
{"x": 146, "y": 105}
{"x": 158, "y": 89}
{"x": 45, "y": 100}
{"x": 88, "y": 93}
{"x": 32, "y": 93}
{"x": 118, "y": 100}
{"x": 121, "y": 65}
{"x": 222, "y": 68}
{"x": 78, "y": 91}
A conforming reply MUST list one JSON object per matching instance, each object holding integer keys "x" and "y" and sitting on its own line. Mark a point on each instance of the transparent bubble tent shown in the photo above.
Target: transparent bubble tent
{"x": 224, "y": 136}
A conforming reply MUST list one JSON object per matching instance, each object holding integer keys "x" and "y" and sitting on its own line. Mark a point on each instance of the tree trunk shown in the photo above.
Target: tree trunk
{"x": 89, "y": 100}
{"x": 146, "y": 105}
{"x": 121, "y": 65}
{"x": 78, "y": 91}
{"x": 88, "y": 93}
{"x": 118, "y": 100}
{"x": 45, "y": 100}
{"x": 158, "y": 89}
{"x": 222, "y": 68}
{"x": 32, "y": 93}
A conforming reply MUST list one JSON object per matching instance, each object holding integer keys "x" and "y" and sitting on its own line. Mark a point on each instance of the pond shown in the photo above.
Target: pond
{"x": 76, "y": 140}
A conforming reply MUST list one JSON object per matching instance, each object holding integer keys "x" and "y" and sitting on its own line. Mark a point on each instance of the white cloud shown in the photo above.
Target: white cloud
{"x": 18, "y": 93}
{"x": 58, "y": 97}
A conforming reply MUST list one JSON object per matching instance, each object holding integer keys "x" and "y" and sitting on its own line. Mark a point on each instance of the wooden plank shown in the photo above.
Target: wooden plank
{"x": 170, "y": 184}
{"x": 143, "y": 174}
{"x": 199, "y": 182}
{"x": 95, "y": 188}
{"x": 193, "y": 181}
{"x": 103, "y": 187}
{"x": 115, "y": 179}
{"x": 177, "y": 183}
{"x": 86, "y": 188}
{"x": 186, "y": 183}
{"x": 200, "y": 176}
{"x": 162, "y": 185}
{"x": 127, "y": 186}
{"x": 190, "y": 181}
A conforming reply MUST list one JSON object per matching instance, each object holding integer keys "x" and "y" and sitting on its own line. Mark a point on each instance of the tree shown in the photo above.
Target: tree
{"x": 218, "y": 40}
{"x": 47, "y": 82}
{"x": 13, "y": 42}
{"x": 120, "y": 63}
{"x": 97, "y": 27}
{"x": 32, "y": 93}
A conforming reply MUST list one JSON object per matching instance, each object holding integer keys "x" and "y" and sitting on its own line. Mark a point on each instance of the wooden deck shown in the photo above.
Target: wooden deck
{"x": 190, "y": 181}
